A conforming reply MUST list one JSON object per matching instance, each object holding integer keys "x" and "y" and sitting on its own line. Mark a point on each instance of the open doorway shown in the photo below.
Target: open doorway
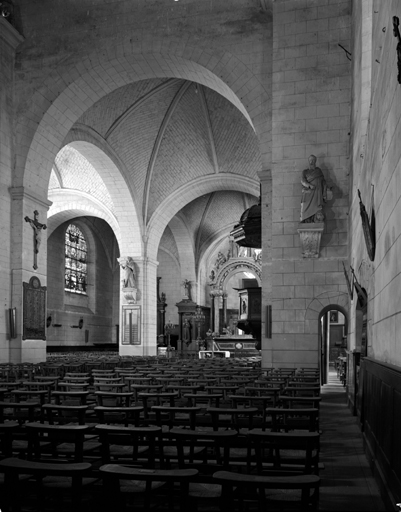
{"x": 333, "y": 332}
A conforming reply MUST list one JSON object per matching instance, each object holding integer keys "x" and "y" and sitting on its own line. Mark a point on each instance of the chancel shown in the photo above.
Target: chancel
{"x": 204, "y": 183}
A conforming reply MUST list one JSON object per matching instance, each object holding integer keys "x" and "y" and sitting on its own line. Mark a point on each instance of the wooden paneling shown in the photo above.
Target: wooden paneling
{"x": 381, "y": 422}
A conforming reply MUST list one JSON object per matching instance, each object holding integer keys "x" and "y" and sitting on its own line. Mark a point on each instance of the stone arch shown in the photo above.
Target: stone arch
{"x": 68, "y": 204}
{"x": 233, "y": 266}
{"x": 80, "y": 88}
{"x": 316, "y": 308}
{"x": 323, "y": 302}
{"x": 115, "y": 176}
{"x": 189, "y": 192}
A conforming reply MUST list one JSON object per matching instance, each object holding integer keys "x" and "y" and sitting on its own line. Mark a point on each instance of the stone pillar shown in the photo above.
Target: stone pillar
{"x": 211, "y": 327}
{"x": 217, "y": 300}
{"x": 266, "y": 211}
{"x": 224, "y": 296}
{"x": 9, "y": 41}
{"x": 23, "y": 204}
{"x": 140, "y": 298}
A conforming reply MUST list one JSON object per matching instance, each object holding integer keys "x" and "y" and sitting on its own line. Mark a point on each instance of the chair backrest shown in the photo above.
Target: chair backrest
{"x": 40, "y": 435}
{"x": 134, "y": 438}
{"x": 20, "y": 411}
{"x": 255, "y": 486}
{"x": 216, "y": 444}
{"x": 62, "y": 414}
{"x": 232, "y": 418}
{"x": 291, "y": 419}
{"x": 173, "y": 416}
{"x": 296, "y": 452}
{"x": 7, "y": 432}
{"x": 300, "y": 401}
{"x": 127, "y": 415}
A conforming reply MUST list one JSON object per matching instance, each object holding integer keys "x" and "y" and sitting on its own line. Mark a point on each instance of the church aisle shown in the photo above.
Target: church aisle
{"x": 347, "y": 481}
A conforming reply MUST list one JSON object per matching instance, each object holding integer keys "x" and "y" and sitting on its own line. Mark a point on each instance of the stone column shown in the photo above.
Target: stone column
{"x": 266, "y": 210}
{"x": 23, "y": 204}
{"x": 224, "y": 296}
{"x": 11, "y": 248}
{"x": 217, "y": 300}
{"x": 211, "y": 327}
{"x": 142, "y": 298}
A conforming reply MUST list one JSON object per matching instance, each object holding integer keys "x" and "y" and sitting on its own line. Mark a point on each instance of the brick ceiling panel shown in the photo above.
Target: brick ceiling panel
{"x": 167, "y": 242}
{"x": 236, "y": 143}
{"x": 78, "y": 174}
{"x": 105, "y": 112}
{"x": 135, "y": 137}
{"x": 193, "y": 214}
{"x": 185, "y": 152}
{"x": 53, "y": 182}
{"x": 225, "y": 209}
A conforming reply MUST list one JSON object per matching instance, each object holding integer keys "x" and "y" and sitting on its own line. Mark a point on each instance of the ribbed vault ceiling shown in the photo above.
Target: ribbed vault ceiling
{"x": 168, "y": 132}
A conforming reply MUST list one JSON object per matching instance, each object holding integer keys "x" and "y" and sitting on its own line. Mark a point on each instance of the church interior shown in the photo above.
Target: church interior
{"x": 189, "y": 181}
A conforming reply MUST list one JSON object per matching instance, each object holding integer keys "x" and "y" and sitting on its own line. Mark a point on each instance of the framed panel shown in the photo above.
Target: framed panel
{"x": 131, "y": 325}
{"x": 34, "y": 310}
{"x": 334, "y": 317}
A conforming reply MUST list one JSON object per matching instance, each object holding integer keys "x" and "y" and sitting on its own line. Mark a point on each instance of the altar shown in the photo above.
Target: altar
{"x": 238, "y": 345}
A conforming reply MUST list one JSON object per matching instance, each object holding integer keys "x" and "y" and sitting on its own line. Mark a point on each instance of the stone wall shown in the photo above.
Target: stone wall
{"x": 377, "y": 174}
{"x": 311, "y": 115}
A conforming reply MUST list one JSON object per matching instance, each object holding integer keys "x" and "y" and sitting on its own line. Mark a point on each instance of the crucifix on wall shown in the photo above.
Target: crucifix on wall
{"x": 37, "y": 235}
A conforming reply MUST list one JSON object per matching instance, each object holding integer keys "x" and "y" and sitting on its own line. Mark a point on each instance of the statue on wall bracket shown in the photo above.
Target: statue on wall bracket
{"x": 314, "y": 194}
{"x": 128, "y": 281}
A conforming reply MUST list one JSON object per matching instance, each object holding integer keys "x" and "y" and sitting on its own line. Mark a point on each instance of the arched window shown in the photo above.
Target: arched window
{"x": 76, "y": 272}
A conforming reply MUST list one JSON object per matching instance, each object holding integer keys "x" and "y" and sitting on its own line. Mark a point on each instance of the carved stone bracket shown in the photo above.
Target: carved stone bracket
{"x": 129, "y": 295}
{"x": 310, "y": 234}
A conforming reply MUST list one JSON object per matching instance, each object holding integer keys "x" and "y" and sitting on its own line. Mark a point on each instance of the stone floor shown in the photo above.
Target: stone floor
{"x": 347, "y": 481}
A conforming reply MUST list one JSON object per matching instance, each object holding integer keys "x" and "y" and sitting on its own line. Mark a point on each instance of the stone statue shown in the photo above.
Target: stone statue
{"x": 128, "y": 265}
{"x": 314, "y": 193}
{"x": 186, "y": 284}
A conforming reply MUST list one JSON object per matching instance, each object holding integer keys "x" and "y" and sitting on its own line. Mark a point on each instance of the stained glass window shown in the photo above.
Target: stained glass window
{"x": 76, "y": 272}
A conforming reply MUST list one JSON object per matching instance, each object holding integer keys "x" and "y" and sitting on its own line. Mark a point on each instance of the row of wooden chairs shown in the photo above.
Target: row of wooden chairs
{"x": 232, "y": 458}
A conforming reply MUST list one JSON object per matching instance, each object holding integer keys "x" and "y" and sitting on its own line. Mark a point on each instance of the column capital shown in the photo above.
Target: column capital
{"x": 265, "y": 175}
{"x": 20, "y": 193}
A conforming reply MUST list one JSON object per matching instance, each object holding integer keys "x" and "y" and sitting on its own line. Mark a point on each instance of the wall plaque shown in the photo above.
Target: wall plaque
{"x": 34, "y": 310}
{"x": 131, "y": 323}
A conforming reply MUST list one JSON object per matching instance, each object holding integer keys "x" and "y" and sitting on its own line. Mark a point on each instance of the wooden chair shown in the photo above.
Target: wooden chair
{"x": 146, "y": 482}
{"x": 300, "y": 389}
{"x": 61, "y": 442}
{"x": 61, "y": 414}
{"x": 289, "y": 452}
{"x": 42, "y": 473}
{"x": 138, "y": 446}
{"x": 20, "y": 411}
{"x": 234, "y": 418}
{"x": 281, "y": 419}
{"x": 126, "y": 415}
{"x": 299, "y": 492}
{"x": 301, "y": 402}
{"x": 207, "y": 452}
{"x": 151, "y": 398}
{"x": 7, "y": 432}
